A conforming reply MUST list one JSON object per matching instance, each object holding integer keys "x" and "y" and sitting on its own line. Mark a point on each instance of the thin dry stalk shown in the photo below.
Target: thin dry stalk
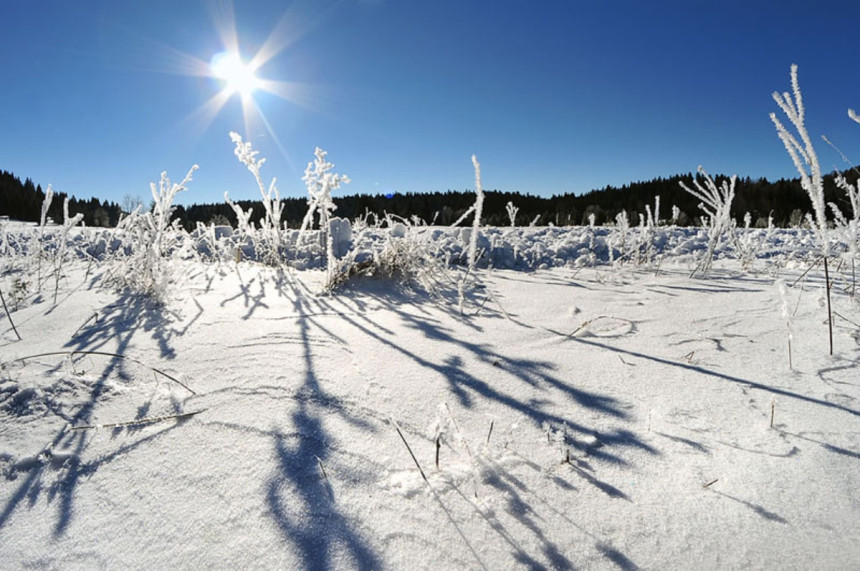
{"x": 322, "y": 468}
{"x": 829, "y": 310}
{"x": 414, "y": 459}
{"x": 803, "y": 275}
{"x": 9, "y": 315}
{"x": 150, "y": 420}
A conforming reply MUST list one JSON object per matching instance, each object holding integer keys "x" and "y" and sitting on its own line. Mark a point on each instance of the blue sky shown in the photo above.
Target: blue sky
{"x": 552, "y": 96}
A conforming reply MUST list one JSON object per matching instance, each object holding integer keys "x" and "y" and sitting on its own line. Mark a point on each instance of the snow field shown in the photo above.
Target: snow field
{"x": 630, "y": 406}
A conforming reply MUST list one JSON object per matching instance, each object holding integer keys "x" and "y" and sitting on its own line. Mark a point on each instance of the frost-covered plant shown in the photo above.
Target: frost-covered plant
{"x": 60, "y": 253}
{"x": 716, "y": 202}
{"x": 619, "y": 238}
{"x": 512, "y": 213}
{"x": 676, "y": 215}
{"x": 38, "y": 247}
{"x": 476, "y": 223}
{"x": 646, "y": 246}
{"x": 476, "y": 228}
{"x": 150, "y": 238}
{"x": 244, "y": 226}
{"x": 321, "y": 182}
{"x": 271, "y": 222}
{"x": 849, "y": 229}
{"x": 803, "y": 155}
{"x": 787, "y": 315}
{"x": 746, "y": 241}
{"x": 408, "y": 254}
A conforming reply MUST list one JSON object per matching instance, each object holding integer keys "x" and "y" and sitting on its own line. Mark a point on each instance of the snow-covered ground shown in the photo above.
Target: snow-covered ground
{"x": 587, "y": 415}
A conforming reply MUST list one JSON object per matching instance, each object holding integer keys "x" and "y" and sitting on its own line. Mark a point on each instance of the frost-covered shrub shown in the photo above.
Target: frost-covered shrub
{"x": 848, "y": 229}
{"x": 321, "y": 182}
{"x": 407, "y": 250}
{"x": 716, "y": 203}
{"x": 340, "y": 232}
{"x": 748, "y": 241}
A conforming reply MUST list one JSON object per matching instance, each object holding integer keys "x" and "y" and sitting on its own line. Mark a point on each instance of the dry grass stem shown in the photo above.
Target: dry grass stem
{"x": 71, "y": 355}
{"x": 150, "y": 420}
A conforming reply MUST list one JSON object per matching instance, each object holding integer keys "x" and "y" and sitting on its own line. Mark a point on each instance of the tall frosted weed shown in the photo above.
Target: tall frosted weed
{"x": 803, "y": 155}
{"x": 273, "y": 207}
{"x": 473, "y": 237}
{"x": 69, "y": 222}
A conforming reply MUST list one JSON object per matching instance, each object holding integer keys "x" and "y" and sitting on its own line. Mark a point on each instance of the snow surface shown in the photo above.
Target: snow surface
{"x": 588, "y": 416}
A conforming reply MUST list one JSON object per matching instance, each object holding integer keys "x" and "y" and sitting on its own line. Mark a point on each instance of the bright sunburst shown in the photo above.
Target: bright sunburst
{"x": 238, "y": 76}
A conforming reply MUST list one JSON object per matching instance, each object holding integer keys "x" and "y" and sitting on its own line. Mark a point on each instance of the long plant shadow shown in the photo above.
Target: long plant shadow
{"x": 709, "y": 372}
{"x": 299, "y": 496}
{"x": 465, "y": 385}
{"x": 112, "y": 332}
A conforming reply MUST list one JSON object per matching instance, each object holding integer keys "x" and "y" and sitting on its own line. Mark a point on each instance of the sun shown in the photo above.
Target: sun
{"x": 238, "y": 76}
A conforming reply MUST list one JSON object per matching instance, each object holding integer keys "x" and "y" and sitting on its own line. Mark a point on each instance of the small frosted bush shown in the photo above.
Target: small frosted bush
{"x": 716, "y": 203}
{"x": 149, "y": 241}
{"x": 321, "y": 182}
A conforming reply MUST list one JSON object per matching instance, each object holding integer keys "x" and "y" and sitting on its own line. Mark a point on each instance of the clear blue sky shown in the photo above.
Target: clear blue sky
{"x": 554, "y": 96}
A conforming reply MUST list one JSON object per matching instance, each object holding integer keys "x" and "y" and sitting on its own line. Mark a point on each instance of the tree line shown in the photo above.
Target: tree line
{"x": 784, "y": 201}
{"x": 23, "y": 201}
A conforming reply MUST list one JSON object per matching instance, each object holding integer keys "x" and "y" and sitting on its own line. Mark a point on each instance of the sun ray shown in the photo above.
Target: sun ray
{"x": 274, "y": 135}
{"x": 199, "y": 120}
{"x": 299, "y": 19}
{"x": 224, "y": 19}
{"x": 302, "y": 94}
